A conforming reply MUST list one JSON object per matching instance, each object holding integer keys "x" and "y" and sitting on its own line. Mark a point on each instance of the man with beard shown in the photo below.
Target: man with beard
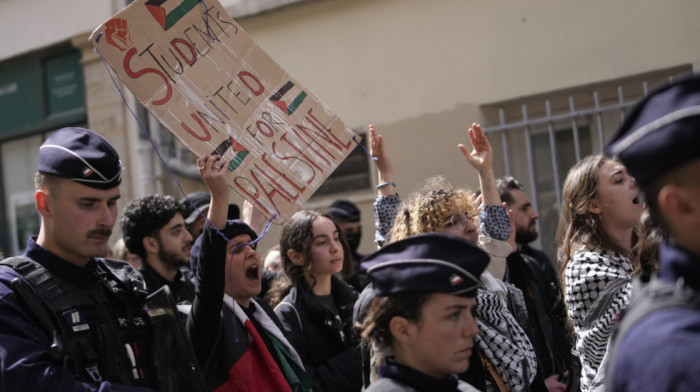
{"x": 531, "y": 271}
{"x": 524, "y": 216}
{"x": 347, "y": 216}
{"x": 154, "y": 229}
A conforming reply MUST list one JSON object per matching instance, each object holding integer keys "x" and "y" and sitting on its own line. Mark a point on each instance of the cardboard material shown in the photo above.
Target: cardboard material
{"x": 195, "y": 69}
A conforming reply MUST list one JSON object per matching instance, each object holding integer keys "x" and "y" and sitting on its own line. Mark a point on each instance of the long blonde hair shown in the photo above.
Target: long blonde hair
{"x": 427, "y": 208}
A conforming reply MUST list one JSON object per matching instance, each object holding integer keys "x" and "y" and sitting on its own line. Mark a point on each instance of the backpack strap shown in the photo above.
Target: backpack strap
{"x": 35, "y": 273}
{"x": 648, "y": 297}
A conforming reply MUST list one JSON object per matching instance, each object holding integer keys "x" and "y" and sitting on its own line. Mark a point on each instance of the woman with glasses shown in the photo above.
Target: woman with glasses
{"x": 505, "y": 359}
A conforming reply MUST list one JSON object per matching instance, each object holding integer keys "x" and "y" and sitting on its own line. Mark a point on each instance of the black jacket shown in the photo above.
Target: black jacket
{"x": 547, "y": 317}
{"x": 328, "y": 346}
{"x": 181, "y": 288}
{"x": 218, "y": 337}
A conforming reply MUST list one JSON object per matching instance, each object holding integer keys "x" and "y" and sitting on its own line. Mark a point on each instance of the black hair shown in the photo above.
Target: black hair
{"x": 144, "y": 217}
{"x": 506, "y": 184}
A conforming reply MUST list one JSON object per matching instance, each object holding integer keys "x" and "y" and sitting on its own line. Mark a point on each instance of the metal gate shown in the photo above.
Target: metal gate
{"x": 539, "y": 138}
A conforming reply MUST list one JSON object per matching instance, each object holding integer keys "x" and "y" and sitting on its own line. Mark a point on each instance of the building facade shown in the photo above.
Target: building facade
{"x": 550, "y": 80}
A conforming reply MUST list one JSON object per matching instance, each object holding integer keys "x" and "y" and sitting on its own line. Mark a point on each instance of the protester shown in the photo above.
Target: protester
{"x": 154, "y": 229}
{"x": 273, "y": 260}
{"x": 598, "y": 229}
{"x": 347, "y": 216}
{"x": 237, "y": 338}
{"x": 195, "y": 209}
{"x": 506, "y": 358}
{"x": 316, "y": 306}
{"x": 659, "y": 335}
{"x": 47, "y": 346}
{"x": 531, "y": 271}
{"x": 425, "y": 287}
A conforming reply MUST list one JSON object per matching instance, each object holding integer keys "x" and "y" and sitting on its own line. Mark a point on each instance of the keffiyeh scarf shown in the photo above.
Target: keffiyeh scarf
{"x": 598, "y": 285}
{"x": 501, "y": 338}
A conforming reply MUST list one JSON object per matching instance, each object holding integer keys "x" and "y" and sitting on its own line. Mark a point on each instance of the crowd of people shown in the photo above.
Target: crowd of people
{"x": 455, "y": 298}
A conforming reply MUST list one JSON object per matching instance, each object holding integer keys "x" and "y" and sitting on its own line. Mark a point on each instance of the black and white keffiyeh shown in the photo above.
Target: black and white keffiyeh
{"x": 598, "y": 284}
{"x": 501, "y": 338}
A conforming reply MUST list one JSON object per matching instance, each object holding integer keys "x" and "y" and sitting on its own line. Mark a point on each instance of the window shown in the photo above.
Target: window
{"x": 537, "y": 139}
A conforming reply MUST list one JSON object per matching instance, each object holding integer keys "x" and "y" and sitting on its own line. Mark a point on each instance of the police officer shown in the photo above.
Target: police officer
{"x": 658, "y": 340}
{"x": 422, "y": 316}
{"x": 68, "y": 320}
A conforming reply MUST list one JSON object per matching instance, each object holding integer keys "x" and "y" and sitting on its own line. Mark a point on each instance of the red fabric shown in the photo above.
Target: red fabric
{"x": 256, "y": 370}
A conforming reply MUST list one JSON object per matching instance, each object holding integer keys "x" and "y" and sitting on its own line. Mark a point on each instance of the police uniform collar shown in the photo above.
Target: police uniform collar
{"x": 417, "y": 380}
{"x": 79, "y": 276}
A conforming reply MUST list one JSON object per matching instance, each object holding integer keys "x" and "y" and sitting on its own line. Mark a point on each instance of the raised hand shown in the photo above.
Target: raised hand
{"x": 481, "y": 157}
{"x": 214, "y": 177}
{"x": 253, "y": 217}
{"x": 385, "y": 169}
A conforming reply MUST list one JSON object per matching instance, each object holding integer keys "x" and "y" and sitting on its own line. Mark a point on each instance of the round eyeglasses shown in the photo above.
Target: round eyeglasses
{"x": 459, "y": 220}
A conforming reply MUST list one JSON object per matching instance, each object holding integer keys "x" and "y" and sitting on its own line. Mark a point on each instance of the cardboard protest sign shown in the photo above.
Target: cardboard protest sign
{"x": 195, "y": 69}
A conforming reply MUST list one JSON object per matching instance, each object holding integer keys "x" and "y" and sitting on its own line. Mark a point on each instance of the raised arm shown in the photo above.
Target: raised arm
{"x": 204, "y": 321}
{"x": 385, "y": 170}
{"x": 214, "y": 176}
{"x": 481, "y": 159}
{"x": 387, "y": 201}
{"x": 495, "y": 222}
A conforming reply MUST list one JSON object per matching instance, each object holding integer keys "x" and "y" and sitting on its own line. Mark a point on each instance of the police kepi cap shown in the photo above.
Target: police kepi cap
{"x": 662, "y": 132}
{"x": 427, "y": 263}
{"x": 81, "y": 155}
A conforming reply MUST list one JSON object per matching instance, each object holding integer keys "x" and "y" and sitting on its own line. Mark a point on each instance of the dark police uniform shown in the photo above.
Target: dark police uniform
{"x": 426, "y": 263}
{"x": 70, "y": 328}
{"x": 102, "y": 315}
{"x": 659, "y": 351}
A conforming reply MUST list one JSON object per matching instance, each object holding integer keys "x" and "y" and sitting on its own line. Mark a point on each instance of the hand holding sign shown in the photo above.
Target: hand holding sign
{"x": 195, "y": 69}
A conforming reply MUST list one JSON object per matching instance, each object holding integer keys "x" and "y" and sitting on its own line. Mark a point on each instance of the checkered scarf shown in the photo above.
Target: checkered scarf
{"x": 502, "y": 339}
{"x": 598, "y": 285}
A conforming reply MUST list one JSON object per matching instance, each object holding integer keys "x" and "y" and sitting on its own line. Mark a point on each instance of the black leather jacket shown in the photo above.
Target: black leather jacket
{"x": 328, "y": 347}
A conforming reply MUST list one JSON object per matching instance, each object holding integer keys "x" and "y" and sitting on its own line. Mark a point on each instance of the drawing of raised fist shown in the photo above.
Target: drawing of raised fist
{"x": 117, "y": 34}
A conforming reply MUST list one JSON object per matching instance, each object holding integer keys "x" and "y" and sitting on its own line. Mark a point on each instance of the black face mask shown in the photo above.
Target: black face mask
{"x": 354, "y": 240}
